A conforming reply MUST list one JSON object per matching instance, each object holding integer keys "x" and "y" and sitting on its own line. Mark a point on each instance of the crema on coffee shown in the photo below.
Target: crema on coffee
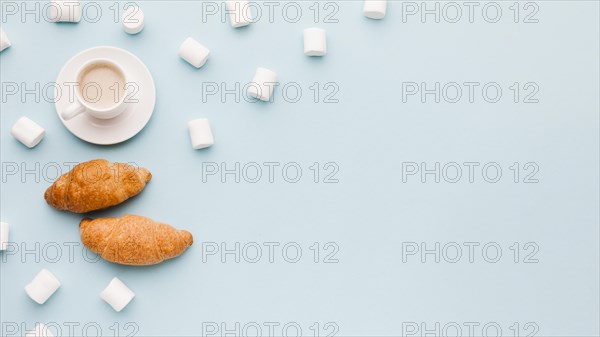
{"x": 101, "y": 85}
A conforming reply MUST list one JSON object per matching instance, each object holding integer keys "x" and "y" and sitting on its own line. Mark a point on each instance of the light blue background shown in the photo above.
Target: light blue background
{"x": 369, "y": 213}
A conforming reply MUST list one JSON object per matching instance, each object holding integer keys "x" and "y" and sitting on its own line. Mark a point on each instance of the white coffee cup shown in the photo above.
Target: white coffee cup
{"x": 100, "y": 90}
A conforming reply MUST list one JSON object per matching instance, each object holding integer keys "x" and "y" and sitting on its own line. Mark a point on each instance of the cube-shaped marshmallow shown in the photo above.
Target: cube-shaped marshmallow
{"x": 4, "y": 41}
{"x": 65, "y": 10}
{"x": 375, "y": 9}
{"x": 200, "y": 133}
{"x": 27, "y": 132}
{"x": 315, "y": 42}
{"x": 3, "y": 235}
{"x": 193, "y": 52}
{"x": 240, "y": 13}
{"x": 43, "y": 285}
{"x": 117, "y": 294}
{"x": 133, "y": 20}
{"x": 263, "y": 84}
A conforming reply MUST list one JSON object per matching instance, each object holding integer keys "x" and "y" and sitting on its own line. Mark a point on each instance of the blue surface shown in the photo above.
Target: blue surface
{"x": 368, "y": 214}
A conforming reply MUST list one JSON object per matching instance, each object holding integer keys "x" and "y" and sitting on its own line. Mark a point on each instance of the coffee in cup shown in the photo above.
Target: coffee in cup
{"x": 100, "y": 90}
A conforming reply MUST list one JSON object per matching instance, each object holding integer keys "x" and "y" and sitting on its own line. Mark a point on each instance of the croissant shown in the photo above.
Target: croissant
{"x": 133, "y": 240}
{"x": 95, "y": 185}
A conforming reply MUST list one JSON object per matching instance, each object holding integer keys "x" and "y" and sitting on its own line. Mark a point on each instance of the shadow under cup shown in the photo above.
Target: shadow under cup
{"x": 101, "y": 86}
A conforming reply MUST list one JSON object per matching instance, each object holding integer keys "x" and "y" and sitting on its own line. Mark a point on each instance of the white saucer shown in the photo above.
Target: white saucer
{"x": 122, "y": 127}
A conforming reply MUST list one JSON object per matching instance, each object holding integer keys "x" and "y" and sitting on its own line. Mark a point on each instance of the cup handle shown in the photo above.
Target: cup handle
{"x": 72, "y": 111}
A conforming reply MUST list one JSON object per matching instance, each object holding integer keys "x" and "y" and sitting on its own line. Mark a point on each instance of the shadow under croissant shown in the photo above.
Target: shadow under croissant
{"x": 165, "y": 266}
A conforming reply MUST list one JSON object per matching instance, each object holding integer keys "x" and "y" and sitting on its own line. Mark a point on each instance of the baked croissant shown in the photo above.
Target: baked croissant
{"x": 96, "y": 184}
{"x": 133, "y": 240}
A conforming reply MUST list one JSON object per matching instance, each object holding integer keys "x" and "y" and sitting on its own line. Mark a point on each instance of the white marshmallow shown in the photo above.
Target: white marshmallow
{"x": 3, "y": 235}
{"x": 239, "y": 11}
{"x": 194, "y": 52}
{"x": 27, "y": 132}
{"x": 117, "y": 294}
{"x": 315, "y": 42}
{"x": 40, "y": 331}
{"x": 4, "y": 41}
{"x": 200, "y": 133}
{"x": 262, "y": 85}
{"x": 65, "y": 10}
{"x": 43, "y": 285}
{"x": 133, "y": 20}
{"x": 375, "y": 9}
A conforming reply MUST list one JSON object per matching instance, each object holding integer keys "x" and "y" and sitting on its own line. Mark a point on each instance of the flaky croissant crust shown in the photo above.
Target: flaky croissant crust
{"x": 133, "y": 240}
{"x": 96, "y": 184}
